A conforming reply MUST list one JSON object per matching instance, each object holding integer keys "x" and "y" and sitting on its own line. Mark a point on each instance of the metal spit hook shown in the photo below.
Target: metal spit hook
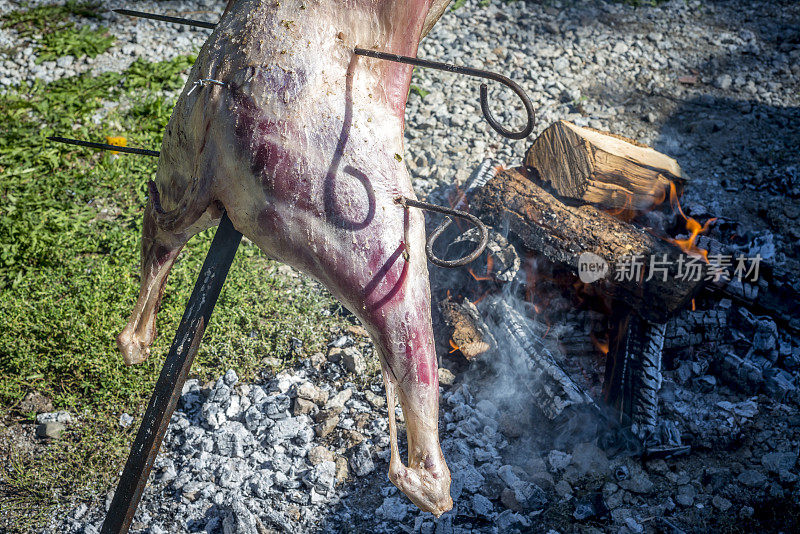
{"x": 469, "y": 71}
{"x": 403, "y": 201}
{"x": 450, "y": 212}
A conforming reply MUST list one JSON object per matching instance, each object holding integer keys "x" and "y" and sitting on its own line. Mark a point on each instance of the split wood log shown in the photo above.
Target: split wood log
{"x": 601, "y": 168}
{"x": 563, "y": 233}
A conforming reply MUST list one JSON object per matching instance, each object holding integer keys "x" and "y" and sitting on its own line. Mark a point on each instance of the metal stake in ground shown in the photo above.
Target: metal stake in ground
{"x": 173, "y": 375}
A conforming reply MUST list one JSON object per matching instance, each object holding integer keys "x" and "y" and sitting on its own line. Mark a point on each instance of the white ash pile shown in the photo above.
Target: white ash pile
{"x": 243, "y": 458}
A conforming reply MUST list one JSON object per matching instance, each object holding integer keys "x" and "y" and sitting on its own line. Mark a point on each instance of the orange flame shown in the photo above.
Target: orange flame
{"x": 694, "y": 227}
{"x": 455, "y": 347}
{"x": 624, "y": 212}
{"x": 489, "y": 266}
{"x": 663, "y": 191}
{"x": 601, "y": 345}
{"x": 548, "y": 323}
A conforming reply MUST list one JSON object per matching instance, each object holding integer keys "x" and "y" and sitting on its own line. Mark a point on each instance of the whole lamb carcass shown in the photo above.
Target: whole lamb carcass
{"x": 299, "y": 140}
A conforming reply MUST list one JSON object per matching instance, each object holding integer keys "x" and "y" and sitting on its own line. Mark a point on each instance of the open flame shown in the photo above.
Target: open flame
{"x": 626, "y": 212}
{"x": 489, "y": 267}
{"x": 695, "y": 228}
{"x": 601, "y": 345}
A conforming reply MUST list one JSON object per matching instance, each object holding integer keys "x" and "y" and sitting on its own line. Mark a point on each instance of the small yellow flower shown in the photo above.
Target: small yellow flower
{"x": 116, "y": 141}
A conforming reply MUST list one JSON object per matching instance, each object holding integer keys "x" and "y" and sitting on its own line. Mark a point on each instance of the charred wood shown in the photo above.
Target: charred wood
{"x": 692, "y": 328}
{"x": 633, "y": 376}
{"x": 740, "y": 373}
{"x": 553, "y": 391}
{"x": 765, "y": 294}
{"x": 562, "y": 233}
{"x": 469, "y": 333}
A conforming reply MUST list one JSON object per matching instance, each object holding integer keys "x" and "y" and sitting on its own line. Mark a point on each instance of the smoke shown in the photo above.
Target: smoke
{"x": 524, "y": 380}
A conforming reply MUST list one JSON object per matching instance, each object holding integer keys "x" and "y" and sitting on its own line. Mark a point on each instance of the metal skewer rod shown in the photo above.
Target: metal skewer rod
{"x": 173, "y": 375}
{"x": 104, "y": 146}
{"x": 165, "y": 18}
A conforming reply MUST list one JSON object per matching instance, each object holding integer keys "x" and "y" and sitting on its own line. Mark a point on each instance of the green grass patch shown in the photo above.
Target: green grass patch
{"x": 419, "y": 91}
{"x": 72, "y": 41}
{"x": 29, "y": 22}
{"x": 57, "y": 36}
{"x": 69, "y": 279}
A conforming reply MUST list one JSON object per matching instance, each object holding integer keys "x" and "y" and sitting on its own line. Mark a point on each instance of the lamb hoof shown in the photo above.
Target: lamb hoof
{"x": 134, "y": 351}
{"x": 430, "y": 491}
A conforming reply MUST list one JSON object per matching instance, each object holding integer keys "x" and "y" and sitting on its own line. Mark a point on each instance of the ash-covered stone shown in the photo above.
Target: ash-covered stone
{"x": 361, "y": 459}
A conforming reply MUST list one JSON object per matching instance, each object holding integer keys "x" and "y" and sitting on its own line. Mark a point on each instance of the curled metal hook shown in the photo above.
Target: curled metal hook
{"x": 469, "y": 71}
{"x": 450, "y": 212}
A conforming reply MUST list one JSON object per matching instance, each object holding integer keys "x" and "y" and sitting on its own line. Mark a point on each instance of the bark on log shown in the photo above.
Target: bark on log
{"x": 562, "y": 233}
{"x": 600, "y": 168}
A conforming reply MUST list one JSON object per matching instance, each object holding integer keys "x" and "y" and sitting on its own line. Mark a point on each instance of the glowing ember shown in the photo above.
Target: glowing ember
{"x": 489, "y": 266}
{"x": 455, "y": 347}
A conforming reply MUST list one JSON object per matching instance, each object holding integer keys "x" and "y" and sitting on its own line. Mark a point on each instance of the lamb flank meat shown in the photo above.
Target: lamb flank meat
{"x": 301, "y": 144}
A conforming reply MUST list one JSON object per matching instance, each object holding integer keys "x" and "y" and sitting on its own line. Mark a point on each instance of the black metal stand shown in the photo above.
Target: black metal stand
{"x": 173, "y": 375}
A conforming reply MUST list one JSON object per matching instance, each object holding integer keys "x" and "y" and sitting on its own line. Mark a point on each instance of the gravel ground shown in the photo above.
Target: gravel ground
{"x": 714, "y": 84}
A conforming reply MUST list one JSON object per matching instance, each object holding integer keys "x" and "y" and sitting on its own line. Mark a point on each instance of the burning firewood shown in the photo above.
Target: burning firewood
{"x": 600, "y": 168}
{"x": 561, "y": 233}
{"x": 633, "y": 376}
{"x": 554, "y": 392}
{"x": 470, "y": 335}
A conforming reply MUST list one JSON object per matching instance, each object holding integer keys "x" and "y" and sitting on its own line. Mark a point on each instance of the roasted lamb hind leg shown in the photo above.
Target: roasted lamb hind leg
{"x": 426, "y": 479}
